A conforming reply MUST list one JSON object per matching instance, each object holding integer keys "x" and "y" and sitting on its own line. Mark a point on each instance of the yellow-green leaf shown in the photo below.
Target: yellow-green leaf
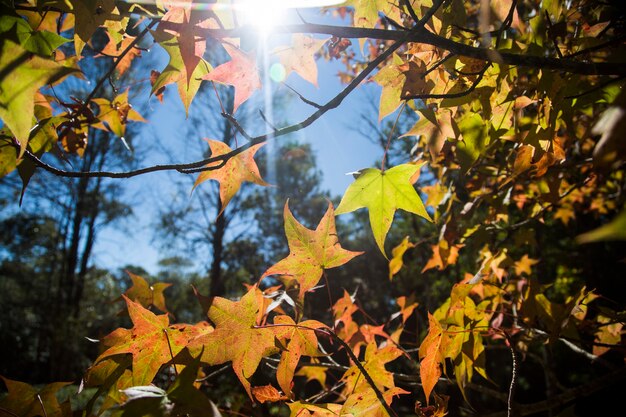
{"x": 21, "y": 75}
{"x": 382, "y": 193}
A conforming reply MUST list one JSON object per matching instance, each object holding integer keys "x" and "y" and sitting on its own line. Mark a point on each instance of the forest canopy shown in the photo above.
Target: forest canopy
{"x": 475, "y": 268}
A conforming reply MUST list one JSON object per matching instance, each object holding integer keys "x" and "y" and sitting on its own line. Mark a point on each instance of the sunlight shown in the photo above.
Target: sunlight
{"x": 267, "y": 14}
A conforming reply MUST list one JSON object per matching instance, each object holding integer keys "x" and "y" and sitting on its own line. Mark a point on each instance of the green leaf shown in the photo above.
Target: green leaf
{"x": 21, "y": 75}
{"x": 614, "y": 230}
{"x": 383, "y": 192}
{"x": 475, "y": 139}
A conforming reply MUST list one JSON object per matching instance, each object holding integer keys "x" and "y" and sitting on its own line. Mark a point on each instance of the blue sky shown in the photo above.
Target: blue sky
{"x": 339, "y": 147}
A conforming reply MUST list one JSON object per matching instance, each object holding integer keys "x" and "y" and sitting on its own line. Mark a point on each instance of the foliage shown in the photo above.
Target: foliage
{"x": 510, "y": 237}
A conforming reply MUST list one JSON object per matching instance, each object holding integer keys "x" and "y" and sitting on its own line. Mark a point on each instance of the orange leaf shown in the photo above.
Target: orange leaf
{"x": 152, "y": 342}
{"x": 235, "y": 171}
{"x": 236, "y": 339}
{"x": 431, "y": 357}
{"x": 267, "y": 393}
{"x": 302, "y": 342}
{"x": 241, "y": 72}
{"x": 310, "y": 251}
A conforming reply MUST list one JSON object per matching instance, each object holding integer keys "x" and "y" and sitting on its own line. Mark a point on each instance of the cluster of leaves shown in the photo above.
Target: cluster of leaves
{"x": 521, "y": 118}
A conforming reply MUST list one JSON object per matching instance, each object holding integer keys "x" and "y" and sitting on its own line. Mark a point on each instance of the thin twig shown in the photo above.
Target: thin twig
{"x": 393, "y": 128}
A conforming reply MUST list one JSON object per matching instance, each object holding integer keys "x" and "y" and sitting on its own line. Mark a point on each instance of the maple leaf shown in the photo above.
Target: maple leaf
{"x": 396, "y": 263}
{"x": 430, "y": 353}
{"x": 313, "y": 373}
{"x": 300, "y": 57}
{"x": 267, "y": 393}
{"x": 235, "y": 338}
{"x": 391, "y": 79}
{"x": 302, "y": 342}
{"x": 310, "y": 251}
{"x": 524, "y": 265}
{"x": 374, "y": 364}
{"x": 191, "y": 43}
{"x": 145, "y": 294}
{"x": 300, "y": 409}
{"x": 115, "y": 114}
{"x": 177, "y": 72}
{"x": 25, "y": 401}
{"x": 24, "y": 74}
{"x": 407, "y": 305}
{"x": 366, "y": 12}
{"x": 88, "y": 17}
{"x": 443, "y": 255}
{"x": 241, "y": 72}
{"x": 152, "y": 341}
{"x": 366, "y": 403}
{"x": 383, "y": 192}
{"x": 235, "y": 171}
{"x": 115, "y": 49}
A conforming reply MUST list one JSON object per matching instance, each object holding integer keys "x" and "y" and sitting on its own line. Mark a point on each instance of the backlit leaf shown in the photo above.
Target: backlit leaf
{"x": 383, "y": 192}
{"x": 236, "y": 339}
{"x": 310, "y": 251}
{"x": 152, "y": 341}
{"x": 235, "y": 171}
{"x": 300, "y": 56}
{"x": 430, "y": 355}
{"x": 241, "y": 72}
{"x": 22, "y": 74}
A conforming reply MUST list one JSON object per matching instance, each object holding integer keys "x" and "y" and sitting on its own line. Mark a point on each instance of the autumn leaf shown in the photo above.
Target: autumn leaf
{"x": 391, "y": 79}
{"x": 236, "y": 339}
{"x": 235, "y": 171}
{"x": 374, "y": 364}
{"x": 313, "y": 373}
{"x": 88, "y": 16}
{"x": 396, "y": 263}
{"x": 24, "y": 400}
{"x": 116, "y": 113}
{"x": 407, "y": 306}
{"x": 115, "y": 49}
{"x": 300, "y": 57}
{"x": 145, "y": 294}
{"x": 301, "y": 409}
{"x": 365, "y": 403}
{"x": 443, "y": 255}
{"x": 382, "y": 193}
{"x": 191, "y": 45}
{"x": 152, "y": 341}
{"x": 524, "y": 265}
{"x": 430, "y": 355}
{"x": 267, "y": 393}
{"x": 176, "y": 71}
{"x": 299, "y": 341}
{"x": 366, "y": 12}
{"x": 310, "y": 251}
{"x": 22, "y": 75}
{"x": 241, "y": 72}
